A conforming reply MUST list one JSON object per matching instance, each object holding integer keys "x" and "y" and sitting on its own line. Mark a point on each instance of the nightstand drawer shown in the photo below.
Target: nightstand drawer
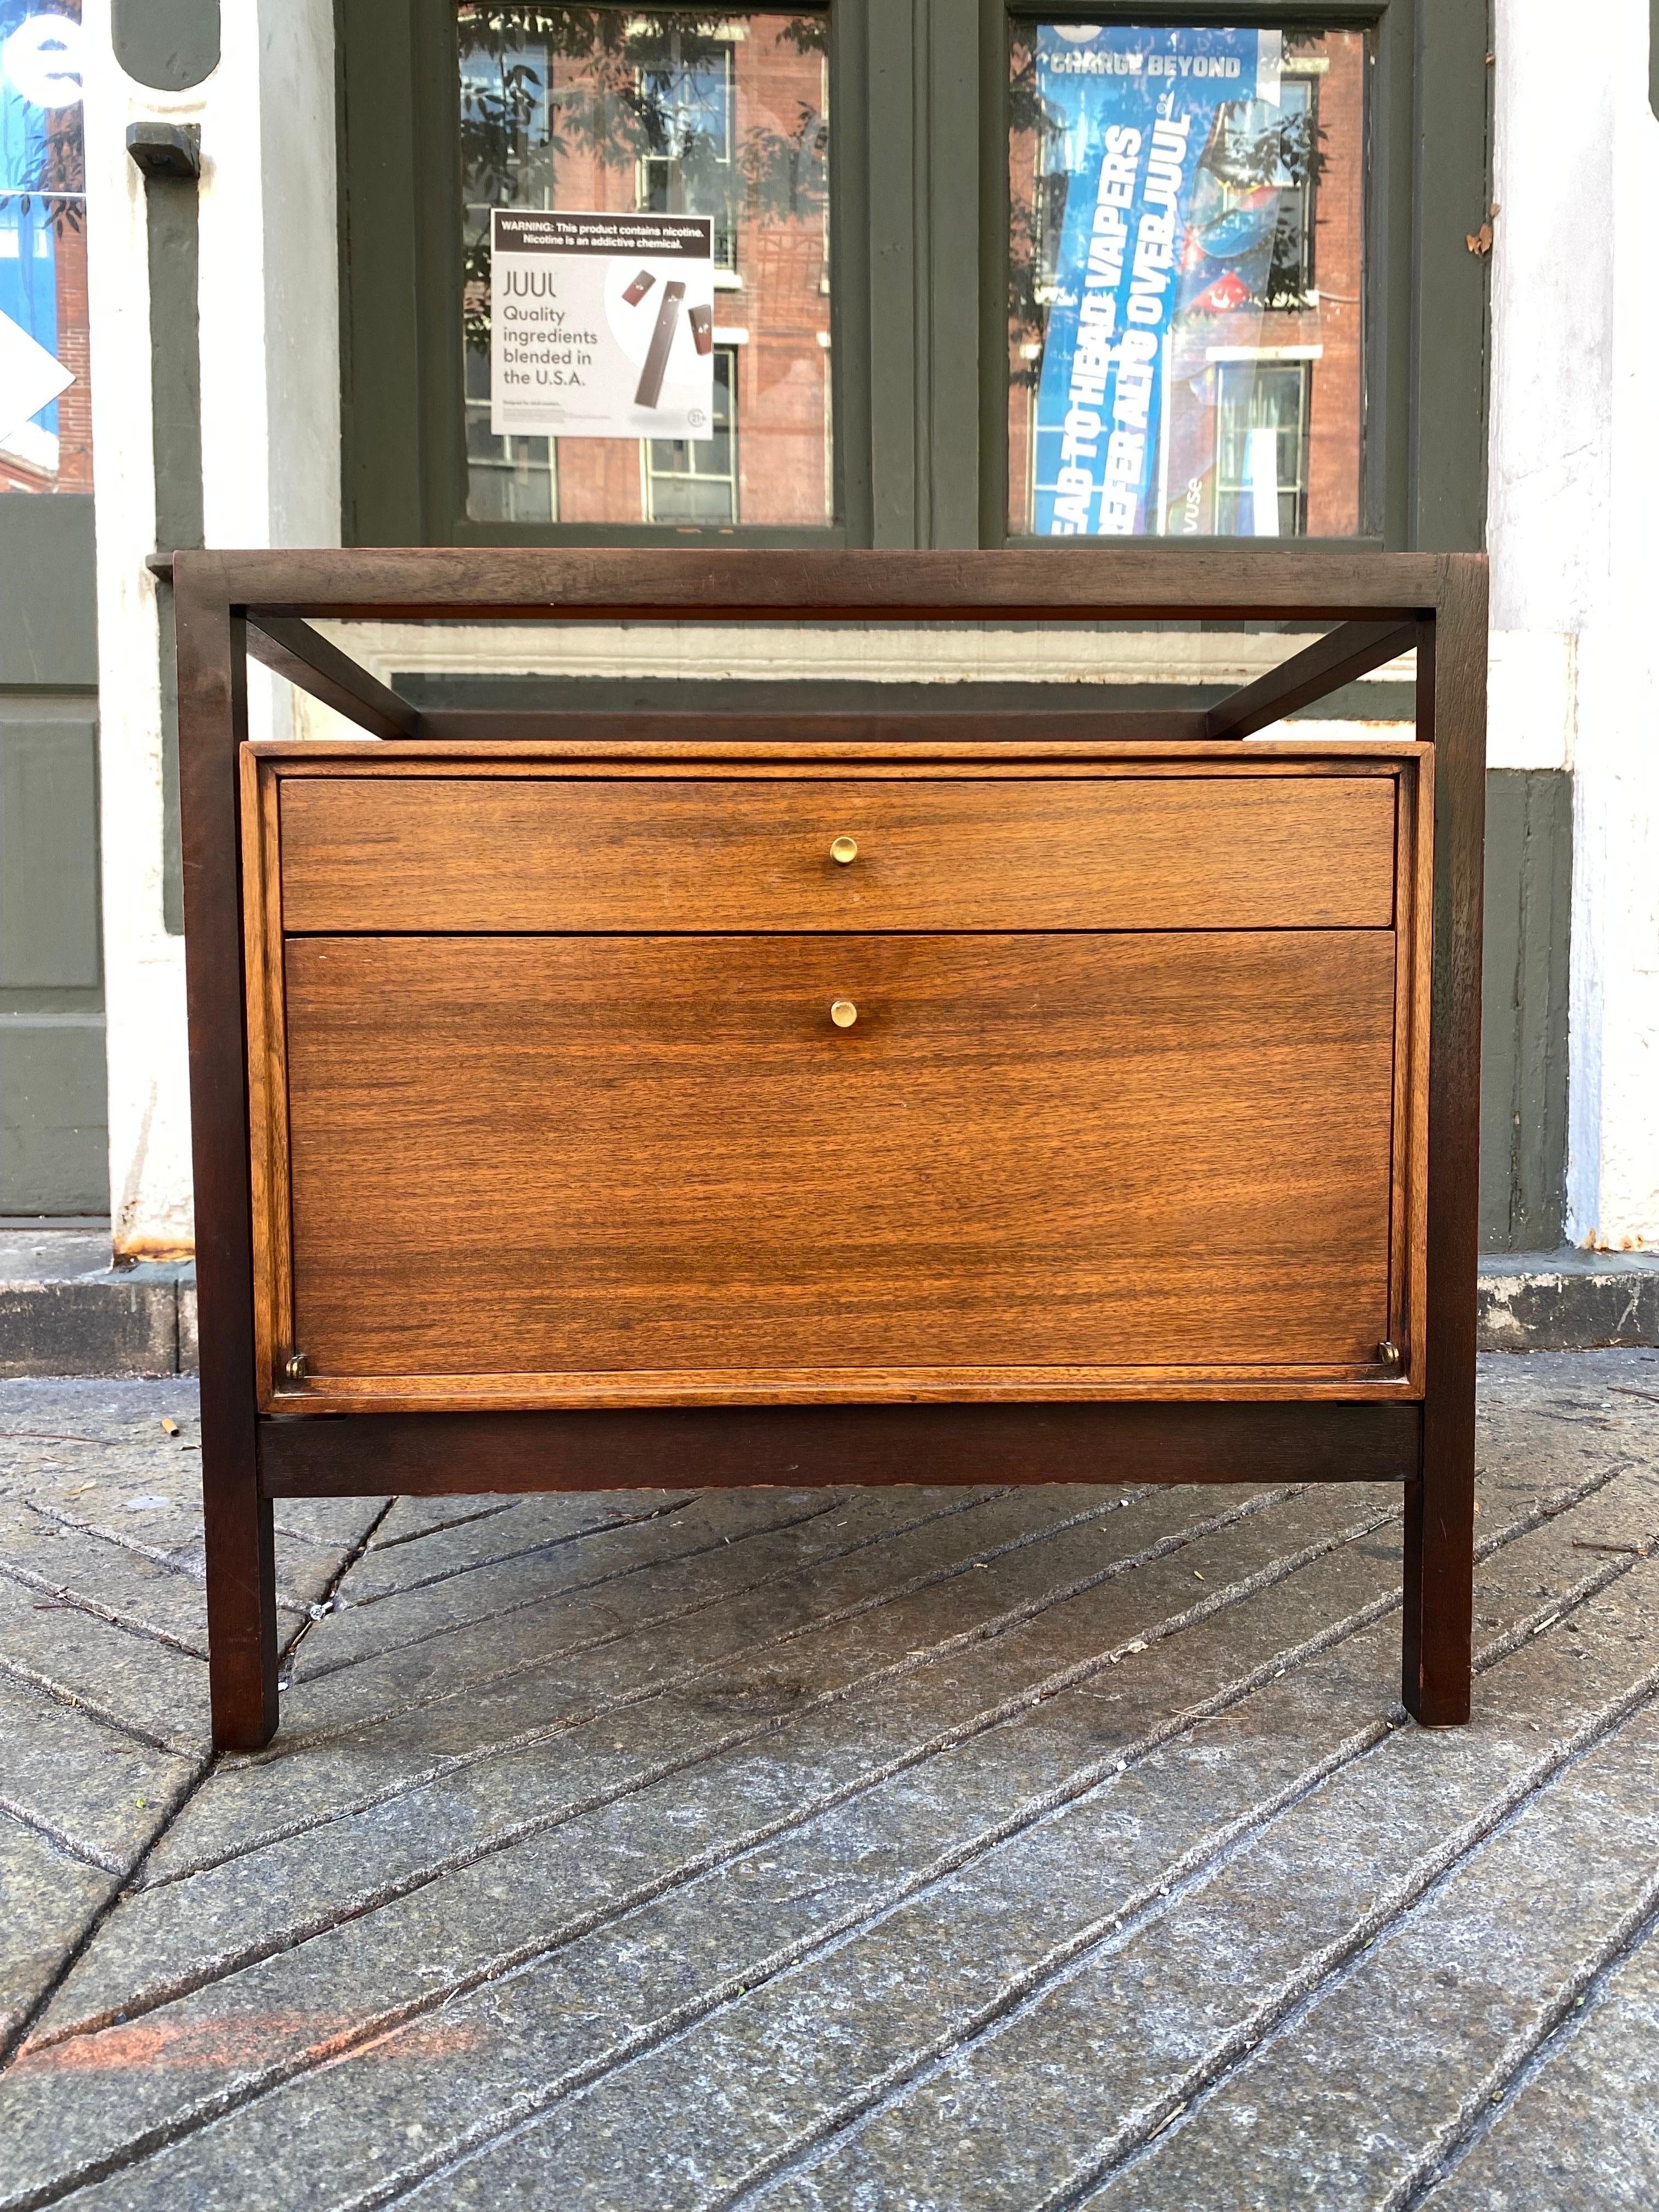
{"x": 549, "y": 1167}
{"x": 1248, "y": 850}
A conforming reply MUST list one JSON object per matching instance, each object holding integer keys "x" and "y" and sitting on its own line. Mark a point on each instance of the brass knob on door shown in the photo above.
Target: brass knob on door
{"x": 843, "y": 1013}
{"x": 844, "y": 849}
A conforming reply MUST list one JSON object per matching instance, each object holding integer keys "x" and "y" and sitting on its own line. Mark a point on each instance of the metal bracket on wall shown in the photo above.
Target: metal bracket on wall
{"x": 170, "y": 156}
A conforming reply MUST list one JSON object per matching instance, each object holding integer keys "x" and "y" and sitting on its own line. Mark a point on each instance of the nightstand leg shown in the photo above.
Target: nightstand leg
{"x": 1439, "y": 1590}
{"x": 241, "y": 1595}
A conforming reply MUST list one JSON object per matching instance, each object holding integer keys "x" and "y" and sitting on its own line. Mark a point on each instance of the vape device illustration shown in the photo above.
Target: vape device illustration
{"x": 640, "y": 285}
{"x": 656, "y": 360}
{"x": 702, "y": 328}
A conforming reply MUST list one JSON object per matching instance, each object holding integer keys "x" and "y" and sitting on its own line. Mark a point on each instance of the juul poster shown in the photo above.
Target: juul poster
{"x": 601, "y": 325}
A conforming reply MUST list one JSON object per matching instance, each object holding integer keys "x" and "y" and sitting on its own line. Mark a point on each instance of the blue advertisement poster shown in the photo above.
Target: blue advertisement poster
{"x": 1135, "y": 110}
{"x": 28, "y": 291}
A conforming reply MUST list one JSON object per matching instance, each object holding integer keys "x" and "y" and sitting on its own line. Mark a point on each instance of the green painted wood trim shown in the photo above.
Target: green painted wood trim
{"x": 54, "y": 1149}
{"x": 172, "y": 857}
{"x": 168, "y": 45}
{"x": 171, "y": 209}
{"x": 54, "y": 1131}
{"x": 855, "y": 189}
{"x": 48, "y": 592}
{"x": 1369, "y": 702}
{"x": 53, "y": 1093}
{"x": 950, "y": 248}
{"x": 893, "y": 367}
{"x": 1524, "y": 1001}
{"x": 1451, "y": 321}
{"x": 173, "y": 228}
{"x": 375, "y": 49}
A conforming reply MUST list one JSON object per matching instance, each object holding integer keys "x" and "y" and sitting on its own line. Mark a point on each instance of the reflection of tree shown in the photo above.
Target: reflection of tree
{"x": 1253, "y": 147}
{"x": 639, "y": 96}
{"x": 1029, "y": 123}
{"x": 1288, "y": 153}
{"x": 62, "y": 181}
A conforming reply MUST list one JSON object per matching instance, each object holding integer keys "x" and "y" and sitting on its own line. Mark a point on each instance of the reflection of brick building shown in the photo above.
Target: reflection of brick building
{"x": 69, "y": 250}
{"x": 1285, "y": 363}
{"x": 738, "y": 131}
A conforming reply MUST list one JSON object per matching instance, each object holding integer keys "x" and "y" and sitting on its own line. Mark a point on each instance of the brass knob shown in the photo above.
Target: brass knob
{"x": 1387, "y": 1353}
{"x": 295, "y": 1368}
{"x": 843, "y": 1013}
{"x": 845, "y": 849}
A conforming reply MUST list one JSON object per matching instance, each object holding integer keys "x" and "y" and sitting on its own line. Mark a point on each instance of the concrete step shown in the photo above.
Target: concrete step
{"x": 65, "y": 1311}
{"x": 1567, "y": 1300}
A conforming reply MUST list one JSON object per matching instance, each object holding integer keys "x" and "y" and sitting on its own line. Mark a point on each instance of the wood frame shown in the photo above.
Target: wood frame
{"x": 1421, "y": 1434}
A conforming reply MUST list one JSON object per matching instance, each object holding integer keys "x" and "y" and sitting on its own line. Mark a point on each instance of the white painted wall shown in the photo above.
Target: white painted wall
{"x": 270, "y": 466}
{"x": 1573, "y": 502}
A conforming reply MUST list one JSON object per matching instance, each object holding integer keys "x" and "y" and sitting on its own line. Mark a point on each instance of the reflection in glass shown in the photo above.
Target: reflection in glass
{"x": 695, "y": 479}
{"x": 43, "y": 252}
{"x": 609, "y": 110}
{"x": 1186, "y": 281}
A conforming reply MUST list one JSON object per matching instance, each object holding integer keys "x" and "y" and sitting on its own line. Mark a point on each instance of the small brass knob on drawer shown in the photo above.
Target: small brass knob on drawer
{"x": 296, "y": 1367}
{"x": 843, "y": 1013}
{"x": 1387, "y": 1353}
{"x": 844, "y": 849}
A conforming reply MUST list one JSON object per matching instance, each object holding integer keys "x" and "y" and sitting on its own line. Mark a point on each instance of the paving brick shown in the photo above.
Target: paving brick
{"x": 54, "y": 1560}
{"x": 336, "y": 1525}
{"x": 723, "y": 1544}
{"x": 658, "y": 1956}
{"x": 533, "y": 1522}
{"x": 156, "y": 1692}
{"x": 419, "y": 1516}
{"x": 374, "y": 1734}
{"x": 1028, "y": 2106}
{"x": 1412, "y": 2044}
{"x": 1584, "y": 2130}
{"x": 324, "y": 1872}
{"x": 540, "y": 2025}
{"x": 47, "y": 1897}
{"x": 106, "y": 1791}
{"x": 786, "y": 1865}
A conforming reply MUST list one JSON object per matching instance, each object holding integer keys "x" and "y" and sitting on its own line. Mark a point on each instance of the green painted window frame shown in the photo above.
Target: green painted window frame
{"x": 919, "y": 194}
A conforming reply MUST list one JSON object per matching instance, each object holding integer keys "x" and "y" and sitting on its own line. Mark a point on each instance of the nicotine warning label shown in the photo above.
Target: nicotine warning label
{"x": 601, "y": 325}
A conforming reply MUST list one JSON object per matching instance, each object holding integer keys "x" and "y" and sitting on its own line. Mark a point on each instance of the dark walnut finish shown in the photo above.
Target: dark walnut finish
{"x": 577, "y": 1099}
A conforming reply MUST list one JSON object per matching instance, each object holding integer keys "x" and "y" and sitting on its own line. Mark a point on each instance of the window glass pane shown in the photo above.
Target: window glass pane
{"x": 695, "y": 480}
{"x": 616, "y": 111}
{"x": 1186, "y": 281}
{"x": 45, "y": 396}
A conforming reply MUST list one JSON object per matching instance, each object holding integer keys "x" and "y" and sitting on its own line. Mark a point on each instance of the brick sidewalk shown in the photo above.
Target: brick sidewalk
{"x": 868, "y": 1849}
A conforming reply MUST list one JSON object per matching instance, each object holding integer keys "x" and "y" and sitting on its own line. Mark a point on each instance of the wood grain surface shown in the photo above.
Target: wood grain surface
{"x": 1193, "y": 853}
{"x": 591, "y": 1156}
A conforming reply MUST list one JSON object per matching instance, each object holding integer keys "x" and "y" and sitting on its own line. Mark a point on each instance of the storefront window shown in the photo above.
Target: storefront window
{"x": 619, "y": 112}
{"x": 45, "y": 401}
{"x": 1187, "y": 281}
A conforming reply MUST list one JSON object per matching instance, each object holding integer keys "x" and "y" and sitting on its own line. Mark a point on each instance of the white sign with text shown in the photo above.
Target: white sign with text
{"x": 601, "y": 325}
